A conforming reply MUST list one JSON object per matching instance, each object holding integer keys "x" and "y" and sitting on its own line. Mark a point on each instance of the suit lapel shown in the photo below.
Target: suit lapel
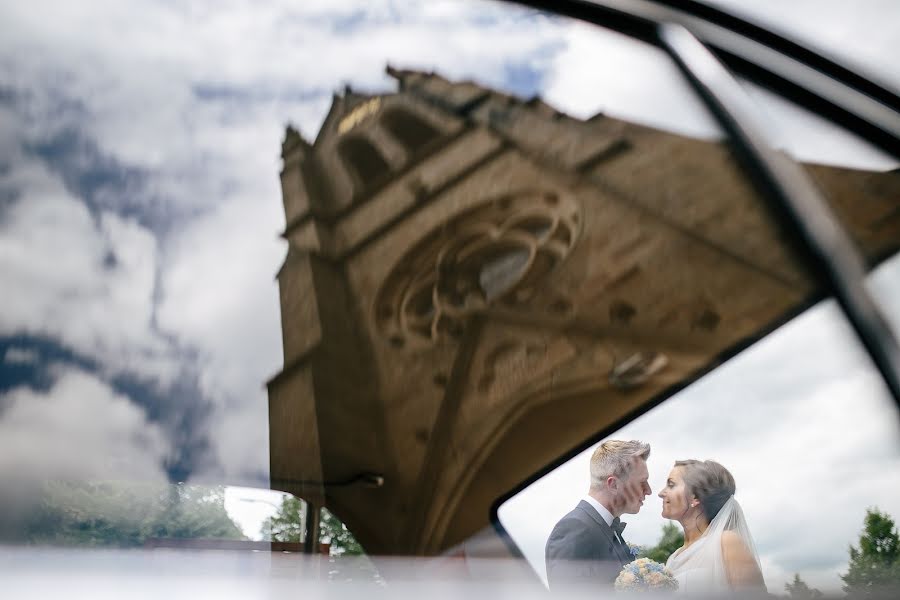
{"x": 621, "y": 550}
{"x": 624, "y": 552}
{"x": 606, "y": 529}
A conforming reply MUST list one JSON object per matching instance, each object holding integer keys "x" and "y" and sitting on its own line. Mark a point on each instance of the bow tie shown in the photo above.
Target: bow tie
{"x": 618, "y": 526}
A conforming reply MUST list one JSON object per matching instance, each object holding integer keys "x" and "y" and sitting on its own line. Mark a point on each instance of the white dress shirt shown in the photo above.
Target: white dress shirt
{"x": 607, "y": 516}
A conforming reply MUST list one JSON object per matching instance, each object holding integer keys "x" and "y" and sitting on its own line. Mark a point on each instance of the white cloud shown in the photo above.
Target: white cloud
{"x": 219, "y": 297}
{"x": 854, "y": 33}
{"x": 138, "y": 96}
{"x": 86, "y": 282}
{"x": 810, "y": 138}
{"x": 197, "y": 99}
{"x": 20, "y": 356}
{"x": 77, "y": 430}
{"x": 41, "y": 431}
{"x": 602, "y": 71}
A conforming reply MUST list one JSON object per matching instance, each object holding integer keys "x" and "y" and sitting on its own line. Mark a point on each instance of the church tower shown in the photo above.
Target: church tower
{"x": 475, "y": 284}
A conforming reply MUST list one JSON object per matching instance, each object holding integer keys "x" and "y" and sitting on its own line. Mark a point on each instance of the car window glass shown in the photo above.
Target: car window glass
{"x": 884, "y": 284}
{"x": 364, "y": 257}
{"x": 852, "y": 36}
{"x": 810, "y": 138}
{"x": 829, "y": 150}
{"x": 803, "y": 423}
{"x": 860, "y": 182}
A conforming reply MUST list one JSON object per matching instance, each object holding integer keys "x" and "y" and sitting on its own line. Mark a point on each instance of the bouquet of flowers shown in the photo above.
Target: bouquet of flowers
{"x": 643, "y": 575}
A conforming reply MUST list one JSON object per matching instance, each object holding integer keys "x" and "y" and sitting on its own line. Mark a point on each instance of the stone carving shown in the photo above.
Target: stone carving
{"x": 637, "y": 369}
{"x": 512, "y": 364}
{"x": 500, "y": 251}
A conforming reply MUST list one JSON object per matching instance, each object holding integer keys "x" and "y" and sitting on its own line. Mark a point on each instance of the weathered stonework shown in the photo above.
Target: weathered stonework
{"x": 476, "y": 284}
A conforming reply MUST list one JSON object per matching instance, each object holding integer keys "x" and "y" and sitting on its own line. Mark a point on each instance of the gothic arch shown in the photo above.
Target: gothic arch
{"x": 363, "y": 160}
{"x": 510, "y": 441}
{"x": 409, "y": 129}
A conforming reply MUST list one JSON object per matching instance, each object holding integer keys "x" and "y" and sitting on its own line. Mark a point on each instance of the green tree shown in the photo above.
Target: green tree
{"x": 109, "y": 513}
{"x": 672, "y": 539}
{"x": 874, "y": 567}
{"x": 288, "y": 524}
{"x": 799, "y": 590}
{"x": 196, "y": 512}
{"x": 332, "y": 530}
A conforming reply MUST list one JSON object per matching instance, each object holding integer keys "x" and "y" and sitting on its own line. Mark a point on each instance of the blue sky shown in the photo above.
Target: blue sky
{"x": 140, "y": 204}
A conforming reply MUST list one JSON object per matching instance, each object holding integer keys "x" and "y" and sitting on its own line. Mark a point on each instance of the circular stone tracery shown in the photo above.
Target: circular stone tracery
{"x": 499, "y": 251}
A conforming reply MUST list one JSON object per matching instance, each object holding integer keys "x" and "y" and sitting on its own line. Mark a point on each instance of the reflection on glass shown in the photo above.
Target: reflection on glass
{"x": 525, "y": 275}
{"x": 860, "y": 182}
{"x": 120, "y": 514}
{"x": 810, "y": 138}
{"x": 884, "y": 285}
{"x": 803, "y": 423}
{"x": 488, "y": 252}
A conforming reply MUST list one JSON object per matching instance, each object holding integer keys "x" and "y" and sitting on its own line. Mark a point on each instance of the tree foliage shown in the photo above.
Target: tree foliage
{"x": 288, "y": 525}
{"x": 874, "y": 567}
{"x": 800, "y": 591}
{"x": 672, "y": 539}
{"x": 332, "y": 530}
{"x": 110, "y": 513}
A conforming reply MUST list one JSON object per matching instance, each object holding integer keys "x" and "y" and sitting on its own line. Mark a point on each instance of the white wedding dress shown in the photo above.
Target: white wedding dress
{"x": 700, "y": 568}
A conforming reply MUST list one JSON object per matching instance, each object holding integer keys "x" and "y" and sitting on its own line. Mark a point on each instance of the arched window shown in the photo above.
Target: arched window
{"x": 409, "y": 129}
{"x": 362, "y": 160}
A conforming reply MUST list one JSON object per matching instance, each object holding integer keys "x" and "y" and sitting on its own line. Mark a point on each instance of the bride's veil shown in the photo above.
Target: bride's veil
{"x": 706, "y": 552}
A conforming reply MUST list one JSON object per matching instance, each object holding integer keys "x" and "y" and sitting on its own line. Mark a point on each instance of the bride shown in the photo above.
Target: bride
{"x": 718, "y": 553}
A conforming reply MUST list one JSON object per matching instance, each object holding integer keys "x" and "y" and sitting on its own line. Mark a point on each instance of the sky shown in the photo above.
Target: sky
{"x": 140, "y": 205}
{"x": 801, "y": 420}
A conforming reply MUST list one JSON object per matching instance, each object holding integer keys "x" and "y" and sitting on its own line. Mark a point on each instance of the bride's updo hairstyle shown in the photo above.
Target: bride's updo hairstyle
{"x": 710, "y": 482}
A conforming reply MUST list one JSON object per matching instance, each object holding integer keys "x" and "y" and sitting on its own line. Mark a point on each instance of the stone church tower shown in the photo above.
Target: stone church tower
{"x": 475, "y": 284}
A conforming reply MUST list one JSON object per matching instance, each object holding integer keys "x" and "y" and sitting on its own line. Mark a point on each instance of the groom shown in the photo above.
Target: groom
{"x": 586, "y": 546}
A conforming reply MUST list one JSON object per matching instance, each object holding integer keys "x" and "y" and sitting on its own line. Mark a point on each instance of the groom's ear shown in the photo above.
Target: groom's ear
{"x": 611, "y": 482}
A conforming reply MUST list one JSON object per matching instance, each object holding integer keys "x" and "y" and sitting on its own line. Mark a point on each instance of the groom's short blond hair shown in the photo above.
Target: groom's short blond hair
{"x": 614, "y": 458}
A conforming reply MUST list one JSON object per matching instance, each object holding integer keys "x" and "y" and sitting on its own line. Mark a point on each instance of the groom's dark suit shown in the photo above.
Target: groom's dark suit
{"x": 583, "y": 550}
